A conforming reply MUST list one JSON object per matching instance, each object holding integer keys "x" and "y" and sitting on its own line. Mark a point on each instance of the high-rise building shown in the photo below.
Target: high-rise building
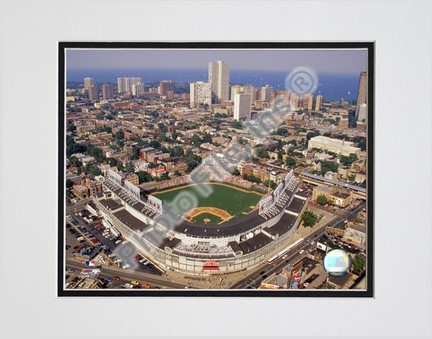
{"x": 107, "y": 91}
{"x": 266, "y": 93}
{"x": 124, "y": 84}
{"x": 88, "y": 82}
{"x": 318, "y": 102}
{"x": 362, "y": 113}
{"x": 200, "y": 93}
{"x": 236, "y": 89}
{"x": 166, "y": 86}
{"x": 309, "y": 102}
{"x": 90, "y": 88}
{"x": 305, "y": 101}
{"x": 242, "y": 106}
{"x": 218, "y": 77}
{"x": 294, "y": 101}
{"x": 362, "y": 95}
{"x": 250, "y": 90}
{"x": 93, "y": 93}
{"x": 137, "y": 89}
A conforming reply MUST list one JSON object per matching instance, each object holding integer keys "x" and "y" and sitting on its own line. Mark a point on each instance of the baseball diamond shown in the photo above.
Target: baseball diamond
{"x": 226, "y": 202}
{"x": 221, "y": 215}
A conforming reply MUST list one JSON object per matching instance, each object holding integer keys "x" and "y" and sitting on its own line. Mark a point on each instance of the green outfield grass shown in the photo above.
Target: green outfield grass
{"x": 228, "y": 198}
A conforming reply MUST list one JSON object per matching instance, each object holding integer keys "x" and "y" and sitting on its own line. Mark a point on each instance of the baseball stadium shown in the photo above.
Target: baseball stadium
{"x": 201, "y": 227}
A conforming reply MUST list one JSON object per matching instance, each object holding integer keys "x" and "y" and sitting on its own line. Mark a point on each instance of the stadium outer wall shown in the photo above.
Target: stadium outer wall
{"x": 191, "y": 263}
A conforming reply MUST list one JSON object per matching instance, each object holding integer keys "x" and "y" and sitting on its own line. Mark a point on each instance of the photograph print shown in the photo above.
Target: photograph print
{"x": 216, "y": 169}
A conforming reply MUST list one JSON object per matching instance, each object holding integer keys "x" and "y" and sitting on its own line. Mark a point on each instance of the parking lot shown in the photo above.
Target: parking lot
{"x": 88, "y": 239}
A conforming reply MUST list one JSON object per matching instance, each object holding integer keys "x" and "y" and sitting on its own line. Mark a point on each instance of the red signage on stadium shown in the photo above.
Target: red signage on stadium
{"x": 210, "y": 266}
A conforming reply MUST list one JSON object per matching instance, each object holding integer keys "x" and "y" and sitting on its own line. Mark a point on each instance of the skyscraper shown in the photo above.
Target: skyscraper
{"x": 166, "y": 86}
{"x": 236, "y": 89}
{"x": 294, "y": 101}
{"x": 124, "y": 84}
{"x": 107, "y": 91}
{"x": 88, "y": 82}
{"x": 362, "y": 113}
{"x": 218, "y": 77}
{"x": 200, "y": 93}
{"x": 90, "y": 88}
{"x": 93, "y": 92}
{"x": 266, "y": 93}
{"x": 362, "y": 96}
{"x": 318, "y": 102}
{"x": 250, "y": 90}
{"x": 310, "y": 102}
{"x": 137, "y": 89}
{"x": 242, "y": 106}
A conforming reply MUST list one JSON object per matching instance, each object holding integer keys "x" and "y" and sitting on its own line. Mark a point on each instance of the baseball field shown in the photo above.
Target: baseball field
{"x": 225, "y": 202}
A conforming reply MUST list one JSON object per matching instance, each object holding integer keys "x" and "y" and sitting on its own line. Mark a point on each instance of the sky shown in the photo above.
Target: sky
{"x": 323, "y": 61}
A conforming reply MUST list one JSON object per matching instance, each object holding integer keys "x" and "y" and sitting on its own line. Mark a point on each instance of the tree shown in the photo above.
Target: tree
{"x": 92, "y": 169}
{"x": 195, "y": 140}
{"x": 290, "y": 161}
{"x": 282, "y": 131}
{"x": 144, "y": 177}
{"x": 176, "y": 151}
{"x": 262, "y": 153}
{"x": 97, "y": 153}
{"x": 252, "y": 178}
{"x": 69, "y": 183}
{"x": 120, "y": 166}
{"x": 119, "y": 135}
{"x": 206, "y": 138}
{"x": 155, "y": 144}
{"x": 309, "y": 219}
{"x": 236, "y": 124}
{"x": 358, "y": 263}
{"x": 74, "y": 162}
{"x": 191, "y": 165}
{"x": 322, "y": 200}
{"x": 348, "y": 160}
{"x": 71, "y": 128}
{"x": 329, "y": 166}
{"x": 312, "y": 134}
{"x": 174, "y": 135}
{"x": 129, "y": 167}
{"x": 72, "y": 147}
{"x": 234, "y": 171}
{"x": 273, "y": 185}
{"x": 135, "y": 153}
{"x": 164, "y": 176}
{"x": 162, "y": 127}
{"x": 112, "y": 162}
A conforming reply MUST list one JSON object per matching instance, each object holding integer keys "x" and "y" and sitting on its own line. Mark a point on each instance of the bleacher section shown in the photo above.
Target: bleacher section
{"x": 130, "y": 194}
{"x": 282, "y": 196}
